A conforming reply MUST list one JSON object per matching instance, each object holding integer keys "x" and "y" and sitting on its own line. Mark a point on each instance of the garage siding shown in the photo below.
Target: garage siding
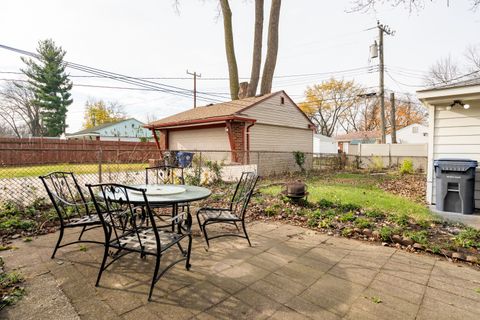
{"x": 202, "y": 139}
{"x": 274, "y": 138}
{"x": 457, "y": 135}
{"x": 273, "y": 112}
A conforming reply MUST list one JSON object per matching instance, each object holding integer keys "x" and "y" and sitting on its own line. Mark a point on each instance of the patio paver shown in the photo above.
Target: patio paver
{"x": 289, "y": 273}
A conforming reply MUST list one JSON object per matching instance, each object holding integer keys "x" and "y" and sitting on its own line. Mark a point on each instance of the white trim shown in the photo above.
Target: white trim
{"x": 431, "y": 136}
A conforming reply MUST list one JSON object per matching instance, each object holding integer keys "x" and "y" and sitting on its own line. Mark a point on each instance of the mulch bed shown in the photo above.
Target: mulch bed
{"x": 413, "y": 187}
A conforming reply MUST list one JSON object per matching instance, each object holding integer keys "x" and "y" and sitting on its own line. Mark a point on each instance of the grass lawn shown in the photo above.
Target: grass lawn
{"x": 360, "y": 190}
{"x": 35, "y": 171}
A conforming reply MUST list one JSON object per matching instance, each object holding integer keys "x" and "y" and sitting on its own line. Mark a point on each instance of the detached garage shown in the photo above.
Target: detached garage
{"x": 271, "y": 123}
{"x": 454, "y": 127}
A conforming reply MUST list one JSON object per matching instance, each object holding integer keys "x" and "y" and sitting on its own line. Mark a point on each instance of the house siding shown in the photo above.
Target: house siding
{"x": 272, "y": 112}
{"x": 131, "y": 128}
{"x": 456, "y": 134}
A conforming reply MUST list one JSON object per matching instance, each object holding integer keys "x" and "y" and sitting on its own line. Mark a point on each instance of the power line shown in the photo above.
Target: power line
{"x": 119, "y": 77}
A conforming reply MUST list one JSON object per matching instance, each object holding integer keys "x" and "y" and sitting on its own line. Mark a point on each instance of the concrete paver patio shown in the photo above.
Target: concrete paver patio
{"x": 288, "y": 273}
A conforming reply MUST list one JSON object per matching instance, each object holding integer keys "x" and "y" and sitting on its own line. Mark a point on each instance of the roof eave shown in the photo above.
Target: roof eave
{"x": 442, "y": 96}
{"x": 198, "y": 121}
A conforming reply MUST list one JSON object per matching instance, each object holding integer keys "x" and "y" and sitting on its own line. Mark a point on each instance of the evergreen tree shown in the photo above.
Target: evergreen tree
{"x": 50, "y": 85}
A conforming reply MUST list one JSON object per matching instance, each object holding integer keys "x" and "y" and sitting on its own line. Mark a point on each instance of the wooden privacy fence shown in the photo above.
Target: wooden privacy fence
{"x": 38, "y": 151}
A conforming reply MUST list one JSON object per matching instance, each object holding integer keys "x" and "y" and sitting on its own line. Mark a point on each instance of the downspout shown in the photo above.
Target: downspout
{"x": 248, "y": 142}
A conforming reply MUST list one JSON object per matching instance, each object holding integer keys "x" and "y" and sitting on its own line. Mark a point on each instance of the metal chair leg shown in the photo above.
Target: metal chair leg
{"x": 154, "y": 279}
{"x": 245, "y": 231}
{"x": 189, "y": 250}
{"x": 60, "y": 237}
{"x": 105, "y": 255}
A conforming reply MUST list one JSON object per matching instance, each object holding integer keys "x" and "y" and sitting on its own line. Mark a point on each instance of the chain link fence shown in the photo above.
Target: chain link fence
{"x": 19, "y": 180}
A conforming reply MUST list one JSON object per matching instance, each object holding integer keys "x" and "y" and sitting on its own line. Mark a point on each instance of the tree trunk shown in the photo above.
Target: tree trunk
{"x": 230, "y": 49}
{"x": 272, "y": 48}
{"x": 257, "y": 49}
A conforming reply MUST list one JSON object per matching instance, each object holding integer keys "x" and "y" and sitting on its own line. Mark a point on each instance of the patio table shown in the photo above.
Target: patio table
{"x": 183, "y": 195}
{"x": 191, "y": 193}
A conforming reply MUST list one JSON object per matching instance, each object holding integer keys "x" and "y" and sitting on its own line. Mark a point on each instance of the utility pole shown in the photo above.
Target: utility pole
{"x": 392, "y": 118}
{"x": 195, "y": 75}
{"x": 381, "y": 30}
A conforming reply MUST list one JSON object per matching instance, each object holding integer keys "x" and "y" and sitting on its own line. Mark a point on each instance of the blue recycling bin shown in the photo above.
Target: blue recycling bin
{"x": 184, "y": 159}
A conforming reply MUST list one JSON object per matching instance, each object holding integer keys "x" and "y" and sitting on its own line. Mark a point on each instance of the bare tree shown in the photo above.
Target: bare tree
{"x": 272, "y": 48}
{"x": 257, "y": 49}
{"x": 230, "y": 48}
{"x": 472, "y": 54}
{"x": 412, "y": 5}
{"x": 443, "y": 71}
{"x": 18, "y": 111}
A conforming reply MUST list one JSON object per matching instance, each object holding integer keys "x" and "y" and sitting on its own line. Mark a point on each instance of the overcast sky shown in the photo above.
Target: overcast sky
{"x": 148, "y": 38}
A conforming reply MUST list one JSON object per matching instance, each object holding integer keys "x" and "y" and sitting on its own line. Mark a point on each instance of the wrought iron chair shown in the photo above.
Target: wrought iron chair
{"x": 71, "y": 206}
{"x": 126, "y": 228}
{"x": 234, "y": 213}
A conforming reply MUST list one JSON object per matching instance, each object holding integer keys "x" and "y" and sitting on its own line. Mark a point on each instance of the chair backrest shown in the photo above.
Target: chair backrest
{"x": 164, "y": 175}
{"x": 243, "y": 193}
{"x": 126, "y": 220}
{"x": 66, "y": 195}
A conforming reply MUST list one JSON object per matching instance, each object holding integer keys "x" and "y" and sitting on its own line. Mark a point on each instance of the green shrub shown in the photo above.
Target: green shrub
{"x": 349, "y": 216}
{"x": 17, "y": 223}
{"x": 330, "y": 213}
{"x": 468, "y": 238}
{"x": 346, "y": 207}
{"x": 376, "y": 164}
{"x": 362, "y": 223}
{"x": 400, "y": 219}
{"x": 418, "y": 236}
{"x": 386, "y": 233}
{"x": 272, "y": 210}
{"x": 407, "y": 167}
{"x": 324, "y": 203}
{"x": 346, "y": 232}
{"x": 326, "y": 223}
{"x": 376, "y": 214}
{"x": 312, "y": 222}
{"x": 9, "y": 208}
{"x": 299, "y": 159}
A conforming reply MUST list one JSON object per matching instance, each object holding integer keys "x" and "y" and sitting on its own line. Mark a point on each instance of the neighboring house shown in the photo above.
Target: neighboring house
{"x": 125, "y": 130}
{"x": 272, "y": 122}
{"x": 356, "y": 138}
{"x": 324, "y": 144}
{"x": 454, "y": 127}
{"x": 413, "y": 133}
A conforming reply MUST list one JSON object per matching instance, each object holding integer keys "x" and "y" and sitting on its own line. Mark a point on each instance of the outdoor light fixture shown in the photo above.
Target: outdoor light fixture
{"x": 458, "y": 104}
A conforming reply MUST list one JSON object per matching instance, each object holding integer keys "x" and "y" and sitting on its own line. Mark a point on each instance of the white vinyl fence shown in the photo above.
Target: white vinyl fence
{"x": 390, "y": 155}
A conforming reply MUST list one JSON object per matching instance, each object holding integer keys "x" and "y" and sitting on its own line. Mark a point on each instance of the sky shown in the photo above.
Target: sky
{"x": 150, "y": 38}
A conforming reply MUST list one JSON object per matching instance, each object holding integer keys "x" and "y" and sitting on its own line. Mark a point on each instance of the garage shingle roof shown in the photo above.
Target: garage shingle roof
{"x": 224, "y": 109}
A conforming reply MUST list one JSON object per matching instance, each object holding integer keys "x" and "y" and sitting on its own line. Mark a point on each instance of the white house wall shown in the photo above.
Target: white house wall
{"x": 456, "y": 134}
{"x": 406, "y": 135}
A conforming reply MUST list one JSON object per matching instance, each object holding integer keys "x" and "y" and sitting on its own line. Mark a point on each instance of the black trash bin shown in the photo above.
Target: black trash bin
{"x": 455, "y": 185}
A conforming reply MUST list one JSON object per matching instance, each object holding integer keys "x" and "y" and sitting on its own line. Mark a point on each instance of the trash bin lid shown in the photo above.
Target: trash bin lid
{"x": 455, "y": 164}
